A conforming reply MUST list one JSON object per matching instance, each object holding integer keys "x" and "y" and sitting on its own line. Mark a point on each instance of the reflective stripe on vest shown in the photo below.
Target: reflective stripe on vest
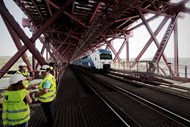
{"x": 15, "y": 110}
{"x": 16, "y": 120}
{"x": 47, "y": 97}
{"x": 50, "y": 95}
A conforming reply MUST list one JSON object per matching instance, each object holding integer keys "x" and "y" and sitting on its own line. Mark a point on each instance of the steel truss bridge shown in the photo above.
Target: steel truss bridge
{"x": 69, "y": 29}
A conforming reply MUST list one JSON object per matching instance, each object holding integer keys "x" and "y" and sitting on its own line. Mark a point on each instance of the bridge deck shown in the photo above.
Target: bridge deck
{"x": 74, "y": 107}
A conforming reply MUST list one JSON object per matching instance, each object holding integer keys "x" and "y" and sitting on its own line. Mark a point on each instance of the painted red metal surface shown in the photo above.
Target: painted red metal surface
{"x": 72, "y": 29}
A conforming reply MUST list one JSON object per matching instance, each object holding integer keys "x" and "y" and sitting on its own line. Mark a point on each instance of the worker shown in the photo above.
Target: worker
{"x": 16, "y": 111}
{"x": 23, "y": 70}
{"x": 47, "y": 93}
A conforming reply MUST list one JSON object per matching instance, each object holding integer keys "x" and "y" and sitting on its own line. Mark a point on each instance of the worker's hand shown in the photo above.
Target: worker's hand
{"x": 35, "y": 86}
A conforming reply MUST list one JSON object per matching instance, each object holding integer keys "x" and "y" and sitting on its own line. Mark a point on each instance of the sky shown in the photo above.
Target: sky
{"x": 136, "y": 43}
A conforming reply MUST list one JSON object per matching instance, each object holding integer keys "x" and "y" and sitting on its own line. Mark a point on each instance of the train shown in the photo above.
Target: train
{"x": 100, "y": 59}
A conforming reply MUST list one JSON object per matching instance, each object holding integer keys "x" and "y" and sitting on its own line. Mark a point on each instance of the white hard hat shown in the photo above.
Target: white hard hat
{"x": 22, "y": 64}
{"x": 44, "y": 68}
{"x": 16, "y": 78}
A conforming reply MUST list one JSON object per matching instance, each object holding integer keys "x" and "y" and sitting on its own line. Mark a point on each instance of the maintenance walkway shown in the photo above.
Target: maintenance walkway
{"x": 74, "y": 107}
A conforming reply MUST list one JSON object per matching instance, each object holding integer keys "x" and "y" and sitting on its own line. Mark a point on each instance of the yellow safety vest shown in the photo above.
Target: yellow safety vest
{"x": 50, "y": 95}
{"x": 25, "y": 74}
{"x": 15, "y": 110}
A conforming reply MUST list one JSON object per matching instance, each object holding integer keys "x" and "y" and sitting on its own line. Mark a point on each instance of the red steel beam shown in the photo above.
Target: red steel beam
{"x": 127, "y": 51}
{"x": 150, "y": 31}
{"x": 18, "y": 44}
{"x": 112, "y": 48}
{"x": 176, "y": 53}
{"x": 150, "y": 19}
{"x": 95, "y": 12}
{"x": 15, "y": 26}
{"x": 121, "y": 48}
{"x": 5, "y": 13}
{"x": 150, "y": 41}
{"x": 119, "y": 51}
{"x": 66, "y": 13}
{"x": 42, "y": 40}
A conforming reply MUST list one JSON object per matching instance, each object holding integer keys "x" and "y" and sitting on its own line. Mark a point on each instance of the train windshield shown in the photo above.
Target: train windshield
{"x": 106, "y": 56}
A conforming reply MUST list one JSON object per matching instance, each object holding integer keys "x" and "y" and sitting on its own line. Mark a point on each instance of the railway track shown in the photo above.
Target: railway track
{"x": 154, "y": 82}
{"x": 132, "y": 108}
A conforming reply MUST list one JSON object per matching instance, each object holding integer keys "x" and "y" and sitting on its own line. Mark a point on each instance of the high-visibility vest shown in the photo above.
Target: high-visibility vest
{"x": 15, "y": 110}
{"x": 26, "y": 83}
{"x": 50, "y": 95}
{"x": 25, "y": 74}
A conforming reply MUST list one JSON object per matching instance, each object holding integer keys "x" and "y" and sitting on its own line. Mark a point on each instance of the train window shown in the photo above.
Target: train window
{"x": 84, "y": 57}
{"x": 105, "y": 56}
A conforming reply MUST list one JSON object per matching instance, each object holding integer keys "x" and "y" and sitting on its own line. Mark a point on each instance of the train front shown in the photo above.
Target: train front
{"x": 105, "y": 59}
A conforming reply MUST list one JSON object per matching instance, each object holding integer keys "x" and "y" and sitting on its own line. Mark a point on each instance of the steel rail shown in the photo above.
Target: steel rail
{"x": 181, "y": 118}
{"x": 97, "y": 93}
{"x": 141, "y": 81}
{"x": 149, "y": 102}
